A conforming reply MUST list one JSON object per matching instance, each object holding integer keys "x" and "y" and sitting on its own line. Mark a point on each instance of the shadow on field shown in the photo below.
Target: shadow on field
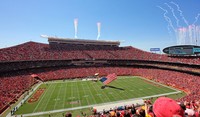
{"x": 112, "y": 87}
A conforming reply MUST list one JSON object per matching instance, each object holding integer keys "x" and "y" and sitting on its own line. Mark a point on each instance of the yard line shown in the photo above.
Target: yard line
{"x": 121, "y": 95}
{"x": 78, "y": 94}
{"x": 40, "y": 100}
{"x": 139, "y": 92}
{"x": 156, "y": 90}
{"x": 91, "y": 83}
{"x": 105, "y": 90}
{"x": 65, "y": 95}
{"x": 114, "y": 97}
{"x": 50, "y": 97}
{"x": 91, "y": 93}
{"x": 61, "y": 96}
{"x": 143, "y": 89}
{"x": 72, "y": 94}
{"x": 85, "y": 93}
{"x": 130, "y": 86}
{"x": 57, "y": 96}
{"x": 101, "y": 91}
{"x": 159, "y": 91}
{"x": 159, "y": 84}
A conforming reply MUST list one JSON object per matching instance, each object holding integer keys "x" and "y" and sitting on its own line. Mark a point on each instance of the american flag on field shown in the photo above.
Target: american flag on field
{"x": 108, "y": 79}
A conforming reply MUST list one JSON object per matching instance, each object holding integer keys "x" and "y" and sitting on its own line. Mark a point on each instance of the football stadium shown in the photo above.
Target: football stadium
{"x": 66, "y": 76}
{"x": 74, "y": 74}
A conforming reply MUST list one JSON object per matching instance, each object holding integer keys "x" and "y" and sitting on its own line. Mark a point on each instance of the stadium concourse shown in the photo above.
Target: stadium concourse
{"x": 56, "y": 61}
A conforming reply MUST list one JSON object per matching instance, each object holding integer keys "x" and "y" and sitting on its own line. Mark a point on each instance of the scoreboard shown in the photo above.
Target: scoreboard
{"x": 182, "y": 50}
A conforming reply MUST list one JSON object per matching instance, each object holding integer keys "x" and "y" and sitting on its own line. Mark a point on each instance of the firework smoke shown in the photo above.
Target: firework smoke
{"x": 172, "y": 10}
{"x": 189, "y": 34}
{"x": 75, "y": 27}
{"x": 98, "y": 29}
{"x": 167, "y": 18}
{"x": 181, "y": 13}
{"x": 196, "y": 18}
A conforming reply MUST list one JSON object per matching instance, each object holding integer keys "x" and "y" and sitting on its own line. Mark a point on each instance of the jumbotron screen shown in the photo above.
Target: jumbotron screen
{"x": 182, "y": 50}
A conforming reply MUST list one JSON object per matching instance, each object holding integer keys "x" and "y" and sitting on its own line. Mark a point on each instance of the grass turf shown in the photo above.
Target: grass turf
{"x": 69, "y": 94}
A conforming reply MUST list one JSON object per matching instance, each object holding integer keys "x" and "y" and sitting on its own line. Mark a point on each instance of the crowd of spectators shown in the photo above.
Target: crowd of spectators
{"x": 162, "y": 107}
{"x": 70, "y": 73}
{"x": 11, "y": 88}
{"x": 32, "y": 51}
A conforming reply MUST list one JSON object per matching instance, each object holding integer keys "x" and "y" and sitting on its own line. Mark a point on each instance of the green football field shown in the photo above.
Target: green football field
{"x": 76, "y": 93}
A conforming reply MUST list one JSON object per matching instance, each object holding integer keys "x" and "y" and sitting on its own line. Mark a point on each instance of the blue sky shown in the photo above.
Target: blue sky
{"x": 139, "y": 23}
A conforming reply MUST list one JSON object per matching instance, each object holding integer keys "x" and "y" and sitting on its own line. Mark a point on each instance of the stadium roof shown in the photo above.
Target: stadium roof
{"x": 82, "y": 41}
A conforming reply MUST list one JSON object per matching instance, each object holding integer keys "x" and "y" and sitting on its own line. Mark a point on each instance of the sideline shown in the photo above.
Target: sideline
{"x": 100, "y": 106}
{"x": 25, "y": 99}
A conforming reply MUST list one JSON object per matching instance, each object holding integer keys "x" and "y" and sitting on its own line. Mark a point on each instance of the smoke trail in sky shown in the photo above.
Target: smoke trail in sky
{"x": 196, "y": 18}
{"x": 189, "y": 34}
{"x": 172, "y": 10}
{"x": 98, "y": 29}
{"x": 75, "y": 27}
{"x": 198, "y": 35}
{"x": 181, "y": 13}
{"x": 167, "y": 18}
